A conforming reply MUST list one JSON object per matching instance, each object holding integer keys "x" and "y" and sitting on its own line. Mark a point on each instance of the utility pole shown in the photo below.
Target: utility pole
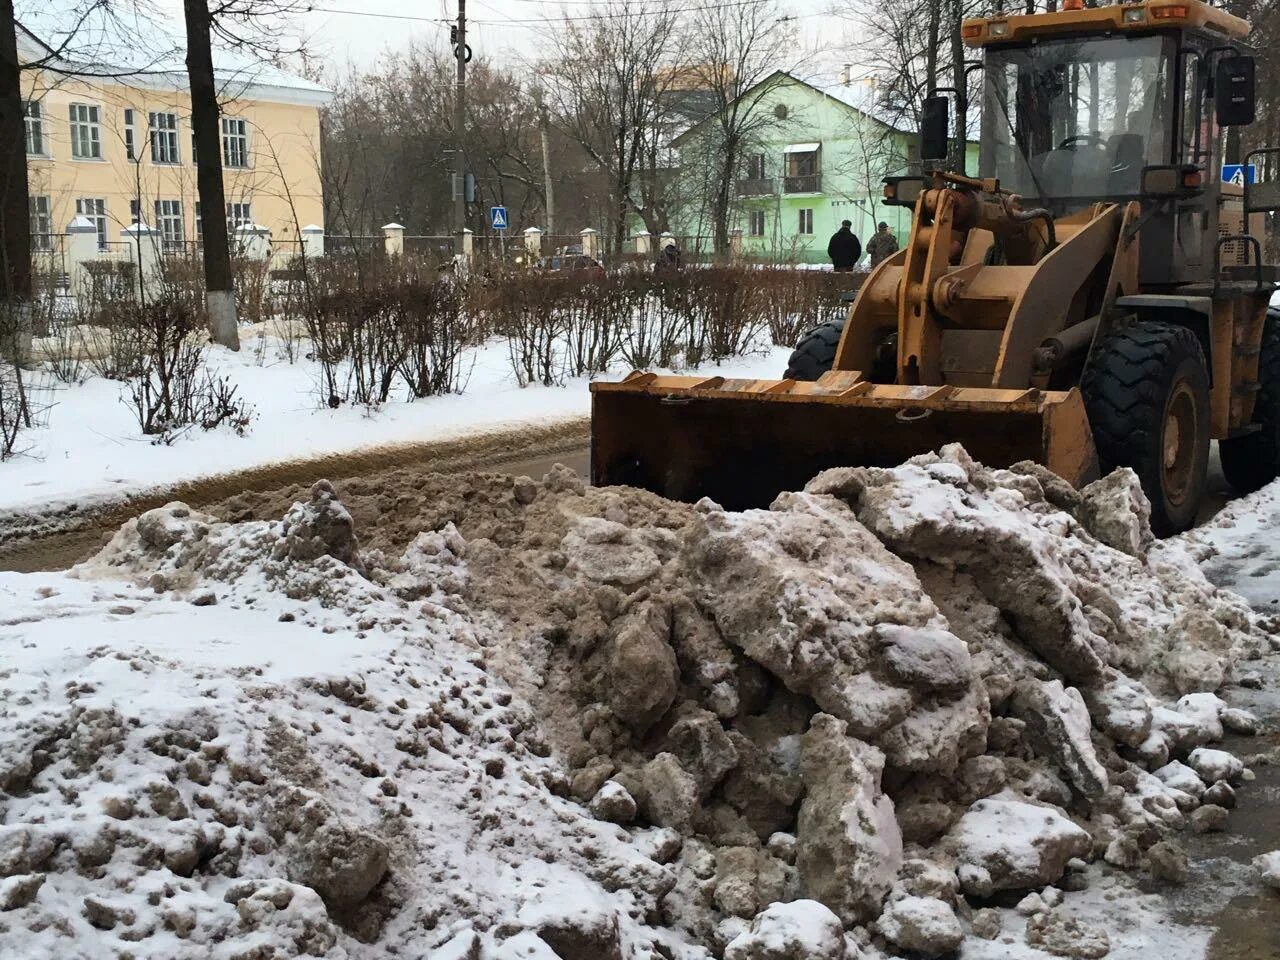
{"x": 459, "y": 120}
{"x": 546, "y": 170}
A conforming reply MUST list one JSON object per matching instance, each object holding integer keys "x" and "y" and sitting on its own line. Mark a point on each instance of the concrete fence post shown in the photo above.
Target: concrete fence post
{"x": 590, "y": 242}
{"x": 468, "y": 244}
{"x": 666, "y": 240}
{"x": 735, "y": 244}
{"x": 533, "y": 242}
{"x": 82, "y": 248}
{"x": 144, "y": 250}
{"x": 393, "y": 239}
{"x": 253, "y": 241}
{"x": 312, "y": 241}
{"x": 644, "y": 243}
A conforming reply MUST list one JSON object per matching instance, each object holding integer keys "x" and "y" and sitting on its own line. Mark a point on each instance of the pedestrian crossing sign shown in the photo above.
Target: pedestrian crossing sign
{"x": 1239, "y": 174}
{"x": 498, "y": 217}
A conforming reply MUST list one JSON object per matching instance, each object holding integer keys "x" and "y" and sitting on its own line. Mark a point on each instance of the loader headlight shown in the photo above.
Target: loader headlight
{"x": 1135, "y": 15}
{"x": 1169, "y": 181}
{"x": 903, "y": 191}
{"x": 1161, "y": 181}
{"x": 1000, "y": 28}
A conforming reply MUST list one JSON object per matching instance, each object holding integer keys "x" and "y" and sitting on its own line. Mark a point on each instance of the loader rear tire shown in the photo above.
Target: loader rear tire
{"x": 1146, "y": 391}
{"x": 1252, "y": 461}
{"x": 815, "y": 354}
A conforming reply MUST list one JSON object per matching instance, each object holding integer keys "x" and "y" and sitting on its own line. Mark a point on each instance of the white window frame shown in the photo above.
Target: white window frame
{"x": 41, "y": 223}
{"x": 806, "y": 222}
{"x": 86, "y": 131}
{"x": 131, "y": 134}
{"x": 755, "y": 223}
{"x": 169, "y": 222}
{"x": 162, "y": 129}
{"x": 33, "y": 123}
{"x": 199, "y": 225}
{"x": 239, "y": 214}
{"x": 95, "y": 209}
{"x": 235, "y": 142}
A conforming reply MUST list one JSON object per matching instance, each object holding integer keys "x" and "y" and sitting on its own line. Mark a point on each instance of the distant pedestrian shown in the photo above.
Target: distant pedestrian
{"x": 883, "y": 245}
{"x": 844, "y": 249}
{"x": 669, "y": 261}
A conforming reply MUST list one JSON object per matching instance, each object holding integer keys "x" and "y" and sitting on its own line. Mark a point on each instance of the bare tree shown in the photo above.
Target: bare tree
{"x": 914, "y": 48}
{"x": 245, "y": 25}
{"x": 220, "y": 292}
{"x": 606, "y": 76}
{"x": 876, "y": 154}
{"x": 738, "y": 47}
{"x": 15, "y": 229}
{"x": 388, "y": 132}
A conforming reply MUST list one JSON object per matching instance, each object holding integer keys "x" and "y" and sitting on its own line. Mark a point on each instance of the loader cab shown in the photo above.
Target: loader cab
{"x": 1074, "y": 120}
{"x": 1116, "y": 104}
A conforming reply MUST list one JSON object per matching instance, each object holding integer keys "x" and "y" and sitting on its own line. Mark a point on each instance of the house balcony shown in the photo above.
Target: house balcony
{"x": 810, "y": 183}
{"x": 757, "y": 188}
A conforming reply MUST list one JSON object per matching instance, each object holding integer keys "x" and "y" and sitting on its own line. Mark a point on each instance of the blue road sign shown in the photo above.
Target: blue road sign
{"x": 498, "y": 217}
{"x": 1239, "y": 173}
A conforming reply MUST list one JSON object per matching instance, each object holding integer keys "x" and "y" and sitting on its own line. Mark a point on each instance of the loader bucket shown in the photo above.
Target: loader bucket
{"x": 742, "y": 442}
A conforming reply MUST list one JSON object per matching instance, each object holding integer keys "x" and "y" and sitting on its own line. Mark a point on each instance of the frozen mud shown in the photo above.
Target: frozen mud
{"x": 595, "y": 723}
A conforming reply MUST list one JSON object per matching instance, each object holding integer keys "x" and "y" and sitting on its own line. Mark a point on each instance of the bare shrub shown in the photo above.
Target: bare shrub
{"x": 656, "y": 321}
{"x": 597, "y": 309}
{"x": 437, "y": 331}
{"x": 253, "y": 289}
{"x": 21, "y": 394}
{"x": 169, "y": 387}
{"x": 528, "y": 311}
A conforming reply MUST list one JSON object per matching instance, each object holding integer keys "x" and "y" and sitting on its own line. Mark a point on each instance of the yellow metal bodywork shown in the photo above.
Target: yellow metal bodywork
{"x": 963, "y": 370}
{"x": 1097, "y": 21}
{"x": 741, "y": 442}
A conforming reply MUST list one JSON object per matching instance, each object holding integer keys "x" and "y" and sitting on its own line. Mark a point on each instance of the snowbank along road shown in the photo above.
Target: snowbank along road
{"x": 905, "y": 711}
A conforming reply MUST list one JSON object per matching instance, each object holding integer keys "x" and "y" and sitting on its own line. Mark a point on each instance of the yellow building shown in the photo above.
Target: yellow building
{"x": 109, "y": 132}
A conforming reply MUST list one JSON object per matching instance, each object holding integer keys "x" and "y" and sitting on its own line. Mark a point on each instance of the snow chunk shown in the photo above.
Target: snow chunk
{"x": 799, "y": 930}
{"x": 1002, "y": 843}
{"x": 1214, "y": 765}
{"x": 921, "y": 924}
{"x": 1058, "y": 723}
{"x": 1181, "y": 777}
{"x": 1268, "y": 867}
{"x": 849, "y": 847}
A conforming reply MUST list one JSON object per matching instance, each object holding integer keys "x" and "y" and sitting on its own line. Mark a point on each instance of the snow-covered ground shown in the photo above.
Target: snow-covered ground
{"x": 92, "y": 448}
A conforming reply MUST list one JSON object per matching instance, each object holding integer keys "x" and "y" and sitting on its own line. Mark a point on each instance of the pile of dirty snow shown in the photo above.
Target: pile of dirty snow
{"x": 536, "y": 719}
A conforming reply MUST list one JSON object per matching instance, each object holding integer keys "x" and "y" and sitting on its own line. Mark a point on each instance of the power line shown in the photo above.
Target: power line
{"x": 436, "y": 21}
{"x": 542, "y": 21}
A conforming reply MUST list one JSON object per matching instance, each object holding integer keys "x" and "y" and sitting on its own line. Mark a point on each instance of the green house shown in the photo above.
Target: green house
{"x": 817, "y": 156}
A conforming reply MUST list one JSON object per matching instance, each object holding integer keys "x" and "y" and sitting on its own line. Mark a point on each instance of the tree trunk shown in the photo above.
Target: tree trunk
{"x": 219, "y": 287}
{"x": 15, "y": 222}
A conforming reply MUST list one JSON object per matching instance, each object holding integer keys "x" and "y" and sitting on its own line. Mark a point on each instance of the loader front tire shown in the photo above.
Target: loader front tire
{"x": 1253, "y": 460}
{"x": 815, "y": 354}
{"x": 1146, "y": 391}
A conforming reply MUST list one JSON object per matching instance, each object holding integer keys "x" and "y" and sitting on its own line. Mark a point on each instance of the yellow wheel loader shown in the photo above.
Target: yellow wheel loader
{"x": 1094, "y": 298}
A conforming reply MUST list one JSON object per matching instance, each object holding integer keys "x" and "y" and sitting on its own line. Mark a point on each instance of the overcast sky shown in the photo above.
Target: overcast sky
{"x": 503, "y": 28}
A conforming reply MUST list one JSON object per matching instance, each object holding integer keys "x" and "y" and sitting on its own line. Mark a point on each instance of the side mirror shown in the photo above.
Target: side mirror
{"x": 1233, "y": 93}
{"x": 933, "y": 127}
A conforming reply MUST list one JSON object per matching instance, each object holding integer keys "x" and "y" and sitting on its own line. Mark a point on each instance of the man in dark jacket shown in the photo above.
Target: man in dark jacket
{"x": 844, "y": 248}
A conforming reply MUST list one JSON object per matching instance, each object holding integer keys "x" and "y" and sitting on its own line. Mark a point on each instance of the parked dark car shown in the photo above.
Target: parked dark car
{"x": 571, "y": 263}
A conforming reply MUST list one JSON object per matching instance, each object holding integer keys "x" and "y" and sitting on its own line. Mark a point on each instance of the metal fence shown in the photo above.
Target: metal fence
{"x": 436, "y": 246}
